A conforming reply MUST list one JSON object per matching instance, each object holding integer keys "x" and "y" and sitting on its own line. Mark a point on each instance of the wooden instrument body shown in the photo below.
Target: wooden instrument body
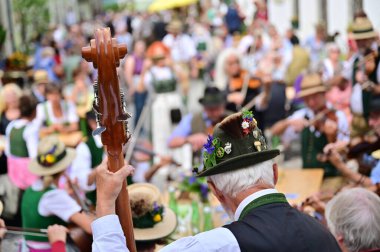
{"x": 109, "y": 106}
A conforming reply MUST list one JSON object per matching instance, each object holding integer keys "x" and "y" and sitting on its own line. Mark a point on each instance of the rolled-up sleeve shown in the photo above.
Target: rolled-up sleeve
{"x": 108, "y": 235}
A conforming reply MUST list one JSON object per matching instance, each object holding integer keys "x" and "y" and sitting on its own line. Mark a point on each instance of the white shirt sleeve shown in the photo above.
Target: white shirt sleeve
{"x": 218, "y": 239}
{"x": 40, "y": 118}
{"x": 299, "y": 114}
{"x": 31, "y": 138}
{"x": 81, "y": 167}
{"x": 343, "y": 127}
{"x": 139, "y": 174}
{"x": 148, "y": 80}
{"x": 57, "y": 202}
{"x": 72, "y": 116}
{"x": 189, "y": 44}
{"x": 108, "y": 235}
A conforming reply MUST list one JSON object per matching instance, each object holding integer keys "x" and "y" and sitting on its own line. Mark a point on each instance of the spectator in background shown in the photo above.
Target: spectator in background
{"x": 45, "y": 203}
{"x": 41, "y": 79}
{"x": 132, "y": 74}
{"x": 9, "y": 111}
{"x": 22, "y": 139}
{"x": 123, "y": 36}
{"x": 71, "y": 61}
{"x": 353, "y": 217}
{"x": 261, "y": 13}
{"x": 47, "y": 62}
{"x": 316, "y": 44}
{"x": 300, "y": 61}
{"x": 56, "y": 114}
{"x": 339, "y": 93}
{"x": 183, "y": 52}
{"x": 234, "y": 19}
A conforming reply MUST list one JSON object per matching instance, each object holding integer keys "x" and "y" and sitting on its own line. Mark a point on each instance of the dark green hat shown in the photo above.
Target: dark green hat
{"x": 213, "y": 97}
{"x": 237, "y": 143}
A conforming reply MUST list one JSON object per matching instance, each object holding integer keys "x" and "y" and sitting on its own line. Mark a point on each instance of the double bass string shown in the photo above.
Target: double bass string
{"x": 25, "y": 231}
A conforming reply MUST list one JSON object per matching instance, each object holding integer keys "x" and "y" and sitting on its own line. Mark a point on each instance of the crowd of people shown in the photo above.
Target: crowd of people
{"x": 264, "y": 94}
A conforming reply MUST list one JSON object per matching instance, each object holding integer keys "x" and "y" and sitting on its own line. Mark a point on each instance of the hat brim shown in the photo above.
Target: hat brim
{"x": 310, "y": 91}
{"x": 240, "y": 162}
{"x": 365, "y": 35}
{"x": 160, "y": 230}
{"x": 211, "y": 103}
{"x": 175, "y": 29}
{"x": 37, "y": 169}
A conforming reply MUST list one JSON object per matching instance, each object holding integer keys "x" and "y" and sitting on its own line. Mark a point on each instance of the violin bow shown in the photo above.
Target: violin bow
{"x": 110, "y": 109}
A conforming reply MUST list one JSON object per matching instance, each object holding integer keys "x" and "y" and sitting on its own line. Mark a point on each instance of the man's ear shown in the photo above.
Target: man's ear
{"x": 218, "y": 194}
{"x": 275, "y": 173}
{"x": 340, "y": 240}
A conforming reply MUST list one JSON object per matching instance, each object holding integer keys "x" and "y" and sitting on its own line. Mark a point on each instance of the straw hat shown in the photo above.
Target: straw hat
{"x": 52, "y": 157}
{"x": 175, "y": 26}
{"x": 151, "y": 220}
{"x": 311, "y": 84}
{"x": 362, "y": 29}
{"x": 41, "y": 77}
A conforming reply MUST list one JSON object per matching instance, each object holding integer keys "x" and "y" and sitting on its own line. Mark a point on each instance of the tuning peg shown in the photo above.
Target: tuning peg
{"x": 123, "y": 117}
{"x": 95, "y": 107}
{"x": 99, "y": 129}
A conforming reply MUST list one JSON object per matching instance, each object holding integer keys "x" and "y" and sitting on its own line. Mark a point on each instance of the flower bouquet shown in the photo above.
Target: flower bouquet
{"x": 192, "y": 184}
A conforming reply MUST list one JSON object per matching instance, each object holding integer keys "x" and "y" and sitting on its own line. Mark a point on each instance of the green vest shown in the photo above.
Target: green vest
{"x": 263, "y": 200}
{"x": 96, "y": 157}
{"x": 198, "y": 124}
{"x": 18, "y": 146}
{"x": 30, "y": 216}
{"x": 313, "y": 144}
{"x": 163, "y": 86}
{"x": 96, "y": 152}
{"x": 48, "y": 121}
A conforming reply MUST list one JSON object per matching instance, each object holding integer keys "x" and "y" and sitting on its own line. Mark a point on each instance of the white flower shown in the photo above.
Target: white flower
{"x": 245, "y": 125}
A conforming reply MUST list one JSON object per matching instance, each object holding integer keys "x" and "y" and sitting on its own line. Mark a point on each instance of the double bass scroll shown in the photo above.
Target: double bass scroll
{"x": 109, "y": 106}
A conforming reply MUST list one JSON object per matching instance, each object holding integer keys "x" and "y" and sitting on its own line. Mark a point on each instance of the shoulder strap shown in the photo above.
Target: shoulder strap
{"x": 66, "y": 111}
{"x": 47, "y": 117}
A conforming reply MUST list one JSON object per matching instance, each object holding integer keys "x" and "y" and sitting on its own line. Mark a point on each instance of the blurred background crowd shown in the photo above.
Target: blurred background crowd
{"x": 312, "y": 88}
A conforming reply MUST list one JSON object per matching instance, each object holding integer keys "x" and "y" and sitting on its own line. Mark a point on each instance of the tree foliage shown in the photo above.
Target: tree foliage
{"x": 33, "y": 17}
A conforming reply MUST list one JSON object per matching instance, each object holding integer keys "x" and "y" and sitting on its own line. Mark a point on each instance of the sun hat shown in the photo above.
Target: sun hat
{"x": 311, "y": 84}
{"x": 212, "y": 97}
{"x": 236, "y": 143}
{"x": 151, "y": 220}
{"x": 52, "y": 157}
{"x": 362, "y": 29}
{"x": 41, "y": 77}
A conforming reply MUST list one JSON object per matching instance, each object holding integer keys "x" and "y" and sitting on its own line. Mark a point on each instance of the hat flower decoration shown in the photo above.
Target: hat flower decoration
{"x": 237, "y": 143}
{"x": 49, "y": 158}
{"x": 146, "y": 215}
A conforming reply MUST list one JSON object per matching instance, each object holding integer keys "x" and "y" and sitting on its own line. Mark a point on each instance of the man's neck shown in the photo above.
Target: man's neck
{"x": 246, "y": 193}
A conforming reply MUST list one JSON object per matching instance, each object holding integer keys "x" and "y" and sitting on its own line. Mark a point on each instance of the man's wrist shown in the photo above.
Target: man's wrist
{"x": 104, "y": 208}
